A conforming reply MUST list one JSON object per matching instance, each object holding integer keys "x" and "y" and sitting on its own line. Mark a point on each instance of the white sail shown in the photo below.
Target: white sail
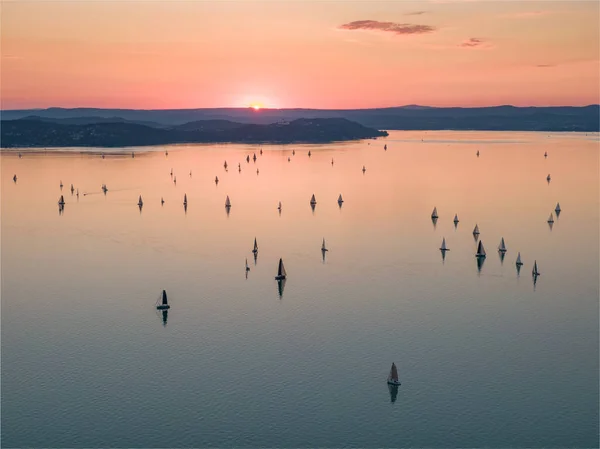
{"x": 551, "y": 218}
{"x": 227, "y": 202}
{"x": 140, "y": 202}
{"x": 535, "y": 271}
{"x": 480, "y": 250}
{"x": 502, "y": 247}
{"x": 313, "y": 200}
{"x": 434, "y": 213}
{"x": 456, "y": 218}
{"x": 519, "y": 259}
{"x": 476, "y": 230}
{"x": 340, "y": 199}
{"x": 444, "y": 247}
{"x": 557, "y": 209}
{"x": 281, "y": 274}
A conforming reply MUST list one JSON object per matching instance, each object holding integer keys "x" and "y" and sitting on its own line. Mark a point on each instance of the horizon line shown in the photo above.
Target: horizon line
{"x": 298, "y": 108}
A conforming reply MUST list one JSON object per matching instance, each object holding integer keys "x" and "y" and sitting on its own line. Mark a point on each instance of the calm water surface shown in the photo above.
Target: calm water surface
{"x": 485, "y": 359}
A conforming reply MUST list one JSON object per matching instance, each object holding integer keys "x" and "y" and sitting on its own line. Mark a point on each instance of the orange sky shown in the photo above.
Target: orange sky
{"x": 314, "y": 54}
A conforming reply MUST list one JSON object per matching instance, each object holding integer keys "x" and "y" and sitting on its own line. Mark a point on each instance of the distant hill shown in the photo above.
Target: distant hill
{"x": 89, "y": 120}
{"x": 411, "y": 117}
{"x": 38, "y": 133}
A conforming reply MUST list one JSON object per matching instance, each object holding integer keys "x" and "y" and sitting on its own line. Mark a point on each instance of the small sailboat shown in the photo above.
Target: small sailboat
{"x": 132, "y": 154}
{"x": 289, "y": 159}
{"x": 247, "y": 267}
{"x": 15, "y": 178}
{"x": 171, "y": 172}
{"x": 551, "y": 218}
{"x": 103, "y": 156}
{"x": 476, "y": 230}
{"x": 393, "y": 376}
{"x": 557, "y": 209}
{"x": 502, "y": 246}
{"x": 72, "y": 189}
{"x": 216, "y": 179}
{"x": 281, "y": 274}
{"x": 261, "y": 151}
{"x": 279, "y": 207}
{"x": 140, "y": 202}
{"x": 456, "y": 219}
{"x": 444, "y": 247}
{"x": 166, "y": 152}
{"x": 185, "y": 199}
{"x": 545, "y": 154}
{"x": 364, "y": 169}
{"x": 104, "y": 188}
{"x": 385, "y": 147}
{"x": 309, "y": 153}
{"x": 174, "y": 179}
{"x": 163, "y": 304}
{"x": 227, "y": 202}
{"x": 293, "y": 152}
{"x": 535, "y": 271}
{"x": 255, "y": 249}
{"x": 480, "y": 250}
{"x": 61, "y": 185}
{"x": 257, "y": 171}
{"x": 190, "y": 173}
{"x": 477, "y": 153}
{"x": 434, "y": 214}
{"x": 254, "y": 157}
{"x": 340, "y": 199}
{"x": 61, "y": 201}
{"x": 518, "y": 262}
{"x": 548, "y": 177}
{"x": 331, "y": 161}
{"x": 313, "y": 200}
{"x": 248, "y": 158}
{"x": 162, "y": 201}
{"x": 225, "y": 165}
{"x": 77, "y": 193}
{"x": 323, "y": 247}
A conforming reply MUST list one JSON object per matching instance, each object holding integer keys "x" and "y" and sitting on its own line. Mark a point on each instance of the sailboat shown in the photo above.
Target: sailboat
{"x": 140, "y": 202}
{"x": 519, "y": 263}
{"x": 548, "y": 178}
{"x": 162, "y": 201}
{"x": 444, "y": 247}
{"x": 190, "y": 173}
{"x": 61, "y": 201}
{"x": 15, "y": 178}
{"x": 502, "y": 246}
{"x": 72, "y": 189}
{"x": 185, "y": 199}
{"x": 340, "y": 199}
{"x": 171, "y": 172}
{"x": 535, "y": 271}
{"x": 456, "y": 219}
{"x": 279, "y": 207}
{"x": 434, "y": 214}
{"x": 557, "y": 209}
{"x": 255, "y": 249}
{"x": 61, "y": 185}
{"x": 261, "y": 151}
{"x": 132, "y": 154}
{"x": 308, "y": 153}
{"x": 174, "y": 179}
{"x": 104, "y": 188}
{"x": 216, "y": 179}
{"x": 313, "y": 200}
{"x": 257, "y": 171}
{"x": 293, "y": 152}
{"x": 477, "y": 153}
{"x": 476, "y": 230}
{"x": 247, "y": 267}
{"x": 163, "y": 304}
{"x": 480, "y": 250}
{"x": 323, "y": 247}
{"x": 254, "y": 157}
{"x": 77, "y": 193}
{"x": 364, "y": 169}
{"x": 248, "y": 158}
{"x": 551, "y": 218}
{"x": 385, "y": 147}
{"x": 331, "y": 161}
{"x": 281, "y": 274}
{"x": 545, "y": 154}
{"x": 227, "y": 202}
{"x": 225, "y": 165}
{"x": 393, "y": 376}
{"x": 289, "y": 159}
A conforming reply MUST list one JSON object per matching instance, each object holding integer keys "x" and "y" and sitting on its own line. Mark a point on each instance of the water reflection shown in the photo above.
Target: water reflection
{"x": 393, "y": 389}
{"x": 550, "y": 225}
{"x": 443, "y": 256}
{"x": 434, "y": 220}
{"x": 518, "y": 269}
{"x": 280, "y": 287}
{"x": 312, "y": 206}
{"x": 165, "y": 316}
{"x": 501, "y": 255}
{"x": 480, "y": 262}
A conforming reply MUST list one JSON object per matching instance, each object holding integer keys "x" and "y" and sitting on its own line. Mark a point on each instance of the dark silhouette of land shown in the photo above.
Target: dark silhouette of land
{"x": 132, "y": 127}
{"x": 35, "y": 132}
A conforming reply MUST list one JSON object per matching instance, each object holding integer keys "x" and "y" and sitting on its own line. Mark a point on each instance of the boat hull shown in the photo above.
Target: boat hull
{"x": 279, "y": 278}
{"x": 163, "y": 307}
{"x": 393, "y": 382}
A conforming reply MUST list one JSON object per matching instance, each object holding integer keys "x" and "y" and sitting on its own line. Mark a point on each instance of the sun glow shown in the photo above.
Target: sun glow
{"x": 256, "y": 106}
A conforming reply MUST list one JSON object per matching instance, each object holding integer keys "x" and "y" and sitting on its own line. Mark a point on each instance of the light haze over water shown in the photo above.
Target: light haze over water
{"x": 485, "y": 359}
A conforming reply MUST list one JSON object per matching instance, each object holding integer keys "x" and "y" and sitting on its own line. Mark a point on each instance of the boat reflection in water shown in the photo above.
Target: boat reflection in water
{"x": 165, "y": 316}
{"x": 280, "y": 287}
{"x": 393, "y": 389}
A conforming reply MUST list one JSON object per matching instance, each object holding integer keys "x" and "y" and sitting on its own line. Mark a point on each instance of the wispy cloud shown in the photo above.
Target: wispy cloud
{"x": 475, "y": 42}
{"x": 546, "y": 65}
{"x": 388, "y": 27}
{"x": 416, "y": 13}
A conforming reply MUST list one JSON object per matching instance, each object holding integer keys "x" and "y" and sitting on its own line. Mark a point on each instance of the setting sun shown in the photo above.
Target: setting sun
{"x": 256, "y": 106}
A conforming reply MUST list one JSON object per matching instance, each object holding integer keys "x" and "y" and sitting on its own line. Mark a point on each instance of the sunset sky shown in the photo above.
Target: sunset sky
{"x": 311, "y": 54}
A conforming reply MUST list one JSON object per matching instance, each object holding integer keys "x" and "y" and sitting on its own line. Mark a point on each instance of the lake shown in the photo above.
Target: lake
{"x": 485, "y": 357}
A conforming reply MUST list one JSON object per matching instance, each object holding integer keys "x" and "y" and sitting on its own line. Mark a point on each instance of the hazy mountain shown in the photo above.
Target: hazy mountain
{"x": 36, "y": 133}
{"x": 417, "y": 117}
